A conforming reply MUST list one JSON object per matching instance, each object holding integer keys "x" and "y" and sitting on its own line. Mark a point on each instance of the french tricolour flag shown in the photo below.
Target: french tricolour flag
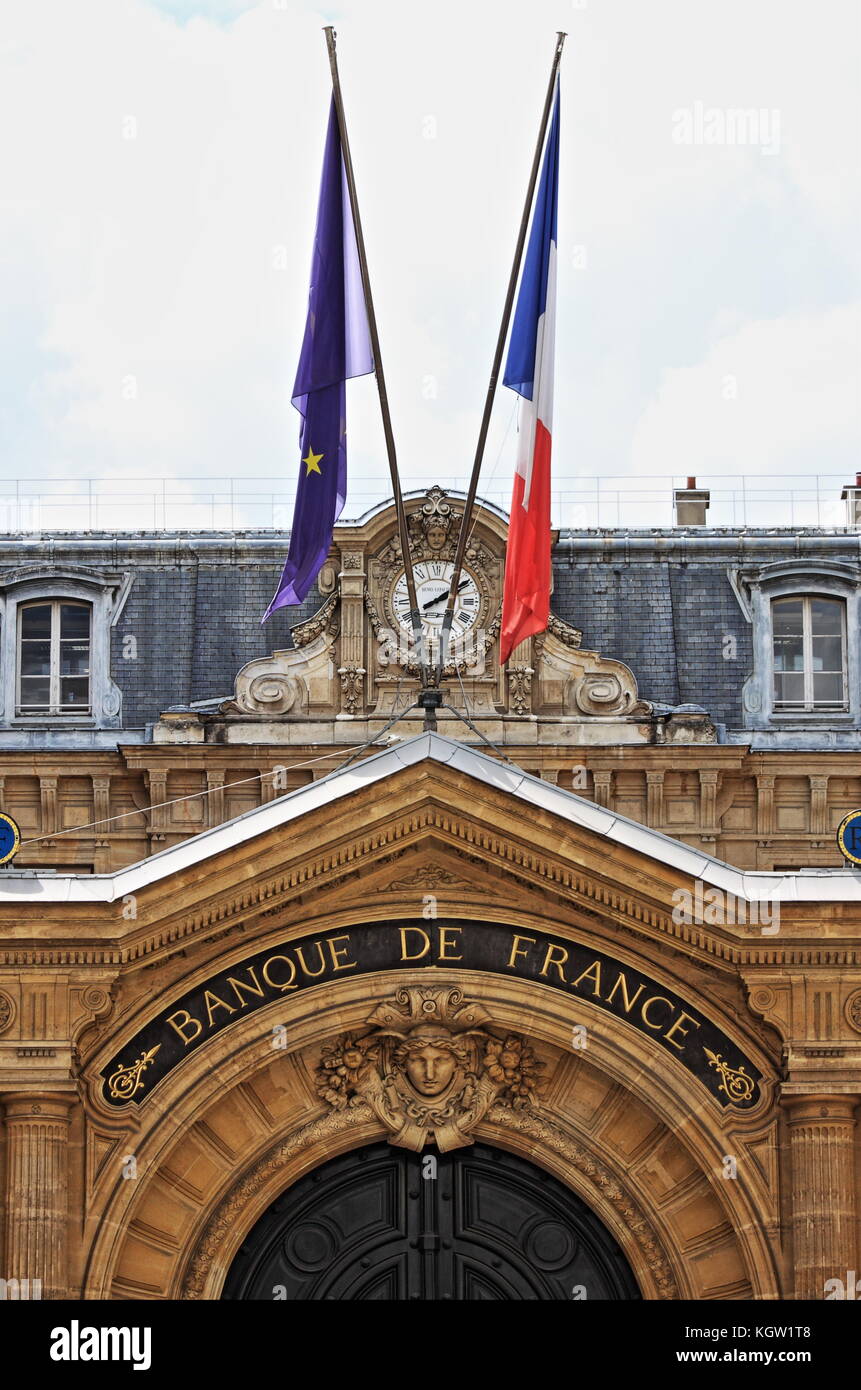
{"x": 529, "y": 372}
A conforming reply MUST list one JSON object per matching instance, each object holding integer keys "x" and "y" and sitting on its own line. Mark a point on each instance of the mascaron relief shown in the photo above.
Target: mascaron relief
{"x": 429, "y": 1069}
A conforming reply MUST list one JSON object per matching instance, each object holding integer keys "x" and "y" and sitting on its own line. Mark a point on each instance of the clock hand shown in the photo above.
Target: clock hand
{"x": 430, "y": 603}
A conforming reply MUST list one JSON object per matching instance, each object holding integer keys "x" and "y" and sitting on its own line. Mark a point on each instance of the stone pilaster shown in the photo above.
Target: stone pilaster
{"x": 654, "y": 798}
{"x": 764, "y": 803}
{"x": 821, "y": 1139}
{"x": 37, "y": 1189}
{"x": 352, "y": 669}
{"x": 818, "y": 805}
{"x": 603, "y": 783}
{"x": 709, "y": 778}
{"x": 215, "y": 798}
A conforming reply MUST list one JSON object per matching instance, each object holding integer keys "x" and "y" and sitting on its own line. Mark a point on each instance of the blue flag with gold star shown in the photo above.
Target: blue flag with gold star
{"x": 336, "y": 347}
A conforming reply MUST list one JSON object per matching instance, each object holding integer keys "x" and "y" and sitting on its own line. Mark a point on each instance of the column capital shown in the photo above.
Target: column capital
{"x": 37, "y": 1105}
{"x": 808, "y": 1106}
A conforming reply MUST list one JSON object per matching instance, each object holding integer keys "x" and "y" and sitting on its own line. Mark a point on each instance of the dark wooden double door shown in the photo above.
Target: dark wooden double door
{"x": 383, "y": 1223}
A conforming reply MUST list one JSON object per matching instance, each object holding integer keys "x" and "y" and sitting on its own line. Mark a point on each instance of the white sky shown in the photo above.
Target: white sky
{"x": 713, "y": 329}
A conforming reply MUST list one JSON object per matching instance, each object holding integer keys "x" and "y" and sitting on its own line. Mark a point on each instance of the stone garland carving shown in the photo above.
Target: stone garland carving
{"x": 430, "y": 1069}
{"x": 536, "y": 1127}
{"x": 234, "y": 1203}
{"x": 524, "y": 1121}
{"x": 326, "y": 619}
{"x": 569, "y": 636}
{"x": 428, "y": 876}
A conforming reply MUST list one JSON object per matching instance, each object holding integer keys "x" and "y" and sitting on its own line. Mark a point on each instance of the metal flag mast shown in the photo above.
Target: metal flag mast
{"x": 463, "y": 535}
{"x": 403, "y": 532}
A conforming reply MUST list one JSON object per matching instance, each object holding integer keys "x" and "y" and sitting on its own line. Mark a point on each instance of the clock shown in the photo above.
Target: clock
{"x": 433, "y": 579}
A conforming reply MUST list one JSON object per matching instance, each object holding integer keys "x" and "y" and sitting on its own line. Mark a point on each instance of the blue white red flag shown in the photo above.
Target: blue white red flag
{"x": 529, "y": 372}
{"x": 336, "y": 347}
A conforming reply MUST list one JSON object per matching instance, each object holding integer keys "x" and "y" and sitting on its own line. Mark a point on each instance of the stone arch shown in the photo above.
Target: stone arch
{"x": 238, "y": 1122}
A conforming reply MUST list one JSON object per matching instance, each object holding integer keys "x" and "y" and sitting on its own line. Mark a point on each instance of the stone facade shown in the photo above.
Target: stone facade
{"x": 133, "y": 1164}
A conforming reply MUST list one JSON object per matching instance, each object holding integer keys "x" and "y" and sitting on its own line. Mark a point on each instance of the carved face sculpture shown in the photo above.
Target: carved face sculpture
{"x": 436, "y": 536}
{"x": 430, "y": 1068}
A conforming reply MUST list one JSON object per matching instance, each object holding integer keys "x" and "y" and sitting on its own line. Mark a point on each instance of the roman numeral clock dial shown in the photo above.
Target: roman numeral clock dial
{"x": 433, "y": 578}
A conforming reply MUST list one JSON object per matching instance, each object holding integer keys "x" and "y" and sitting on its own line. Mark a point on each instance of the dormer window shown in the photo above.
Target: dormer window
{"x": 809, "y": 642}
{"x": 54, "y": 658}
{"x": 806, "y": 647}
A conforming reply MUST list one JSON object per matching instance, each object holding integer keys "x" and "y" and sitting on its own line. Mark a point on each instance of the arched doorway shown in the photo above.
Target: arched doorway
{"x": 377, "y": 1224}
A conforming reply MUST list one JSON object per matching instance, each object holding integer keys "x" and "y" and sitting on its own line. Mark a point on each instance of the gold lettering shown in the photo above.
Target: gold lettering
{"x": 670, "y": 1031}
{"x": 627, "y": 1002}
{"x": 517, "y": 950}
{"x": 420, "y": 931}
{"x": 216, "y": 1004}
{"x": 275, "y": 984}
{"x": 549, "y": 960}
{"x": 186, "y": 1021}
{"x": 593, "y": 974}
{"x": 239, "y": 985}
{"x": 655, "y": 999}
{"x": 313, "y": 973}
{"x": 351, "y": 965}
{"x": 445, "y": 944}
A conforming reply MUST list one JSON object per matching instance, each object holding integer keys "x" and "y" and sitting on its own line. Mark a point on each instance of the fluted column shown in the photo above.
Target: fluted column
{"x": 37, "y": 1189}
{"x": 822, "y": 1134}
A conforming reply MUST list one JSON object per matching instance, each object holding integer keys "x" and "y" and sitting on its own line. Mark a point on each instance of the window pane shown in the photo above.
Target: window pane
{"x": 788, "y": 654}
{"x": 74, "y": 658}
{"x": 74, "y": 690}
{"x": 826, "y": 615}
{"x": 35, "y": 690}
{"x": 787, "y": 617}
{"x": 36, "y": 620}
{"x": 74, "y": 620}
{"x": 828, "y": 690}
{"x": 35, "y": 658}
{"x": 788, "y": 689}
{"x": 827, "y": 654}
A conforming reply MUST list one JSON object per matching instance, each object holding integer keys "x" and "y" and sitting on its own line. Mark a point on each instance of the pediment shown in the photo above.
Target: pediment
{"x": 425, "y": 816}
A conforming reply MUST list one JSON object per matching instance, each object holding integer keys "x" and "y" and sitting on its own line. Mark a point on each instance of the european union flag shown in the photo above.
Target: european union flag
{"x": 336, "y": 346}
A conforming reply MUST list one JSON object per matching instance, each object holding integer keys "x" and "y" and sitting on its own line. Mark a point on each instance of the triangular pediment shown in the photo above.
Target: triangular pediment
{"x": 426, "y": 816}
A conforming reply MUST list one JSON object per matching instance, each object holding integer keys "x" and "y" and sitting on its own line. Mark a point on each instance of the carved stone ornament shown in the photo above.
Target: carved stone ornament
{"x": 352, "y": 678}
{"x": 574, "y": 681}
{"x": 7, "y": 1010}
{"x": 294, "y": 681}
{"x": 520, "y": 687}
{"x": 430, "y": 1068}
{"x": 853, "y": 1010}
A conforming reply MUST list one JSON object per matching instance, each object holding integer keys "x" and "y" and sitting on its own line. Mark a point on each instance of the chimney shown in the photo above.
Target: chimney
{"x": 851, "y": 495}
{"x": 690, "y": 504}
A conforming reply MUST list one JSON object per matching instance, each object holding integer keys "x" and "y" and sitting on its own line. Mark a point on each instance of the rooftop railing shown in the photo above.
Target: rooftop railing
{"x": 49, "y": 505}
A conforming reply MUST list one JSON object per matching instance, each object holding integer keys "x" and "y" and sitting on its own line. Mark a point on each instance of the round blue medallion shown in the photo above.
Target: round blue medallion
{"x": 849, "y": 837}
{"x": 10, "y": 837}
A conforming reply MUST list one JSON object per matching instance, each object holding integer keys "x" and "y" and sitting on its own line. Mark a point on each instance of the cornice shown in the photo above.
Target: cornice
{"x": 247, "y": 904}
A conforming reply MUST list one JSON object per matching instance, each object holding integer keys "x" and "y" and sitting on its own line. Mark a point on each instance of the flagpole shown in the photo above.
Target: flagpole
{"x": 463, "y": 535}
{"x": 403, "y": 532}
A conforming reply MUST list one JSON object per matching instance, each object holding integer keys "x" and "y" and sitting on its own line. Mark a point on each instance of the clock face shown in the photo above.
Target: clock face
{"x": 433, "y": 578}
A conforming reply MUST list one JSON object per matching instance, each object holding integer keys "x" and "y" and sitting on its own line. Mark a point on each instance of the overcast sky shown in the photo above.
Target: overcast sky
{"x": 161, "y": 164}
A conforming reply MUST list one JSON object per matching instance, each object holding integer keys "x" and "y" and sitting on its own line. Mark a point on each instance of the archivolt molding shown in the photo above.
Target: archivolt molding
{"x": 203, "y": 1277}
{"x": 199, "y": 1099}
{"x": 207, "y": 1268}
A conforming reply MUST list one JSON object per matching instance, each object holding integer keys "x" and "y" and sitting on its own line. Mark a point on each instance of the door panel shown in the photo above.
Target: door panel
{"x": 369, "y": 1225}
